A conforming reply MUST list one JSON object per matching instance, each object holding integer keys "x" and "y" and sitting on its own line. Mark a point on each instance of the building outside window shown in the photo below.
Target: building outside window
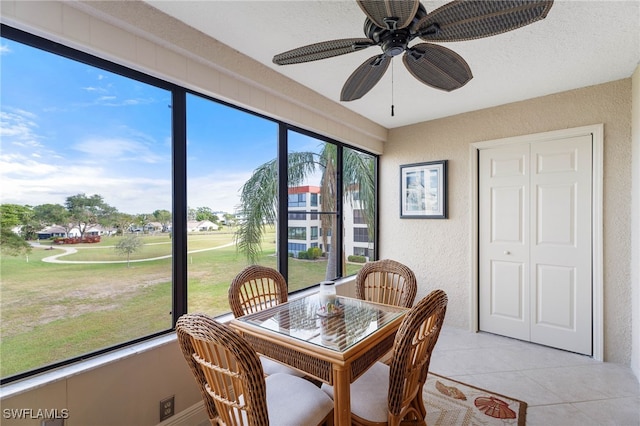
{"x": 297, "y": 233}
{"x": 361, "y": 251}
{"x": 360, "y": 235}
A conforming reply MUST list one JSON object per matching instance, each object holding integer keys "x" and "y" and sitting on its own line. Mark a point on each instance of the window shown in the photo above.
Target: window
{"x": 297, "y": 233}
{"x": 294, "y": 249}
{"x": 360, "y": 200}
{"x": 297, "y": 216}
{"x": 361, "y": 251}
{"x": 313, "y": 173}
{"x": 216, "y": 172}
{"x": 130, "y": 157}
{"x": 361, "y": 235}
{"x": 358, "y": 216}
{"x": 87, "y": 153}
{"x": 297, "y": 200}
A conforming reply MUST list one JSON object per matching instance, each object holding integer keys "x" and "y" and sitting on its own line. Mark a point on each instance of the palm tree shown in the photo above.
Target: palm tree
{"x": 259, "y": 195}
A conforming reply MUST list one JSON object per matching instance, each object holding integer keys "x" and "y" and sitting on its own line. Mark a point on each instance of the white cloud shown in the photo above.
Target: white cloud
{"x": 53, "y": 184}
{"x": 94, "y": 89}
{"x": 18, "y": 124}
{"x": 120, "y": 149}
{"x": 24, "y": 167}
{"x": 219, "y": 191}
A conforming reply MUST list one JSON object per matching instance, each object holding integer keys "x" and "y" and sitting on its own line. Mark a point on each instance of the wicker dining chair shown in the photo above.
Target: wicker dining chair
{"x": 386, "y": 281}
{"x": 255, "y": 288}
{"x": 233, "y": 385}
{"x": 392, "y": 394}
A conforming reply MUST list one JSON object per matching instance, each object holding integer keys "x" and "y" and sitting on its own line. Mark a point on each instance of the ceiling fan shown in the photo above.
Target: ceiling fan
{"x": 392, "y": 24}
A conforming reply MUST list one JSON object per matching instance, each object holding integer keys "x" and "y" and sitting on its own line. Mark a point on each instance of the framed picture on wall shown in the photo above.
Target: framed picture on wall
{"x": 423, "y": 190}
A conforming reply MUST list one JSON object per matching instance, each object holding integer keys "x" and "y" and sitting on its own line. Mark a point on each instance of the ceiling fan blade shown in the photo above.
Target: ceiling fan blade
{"x": 364, "y": 78}
{"x": 390, "y": 14}
{"x": 322, "y": 50}
{"x": 437, "y": 66}
{"x": 467, "y": 20}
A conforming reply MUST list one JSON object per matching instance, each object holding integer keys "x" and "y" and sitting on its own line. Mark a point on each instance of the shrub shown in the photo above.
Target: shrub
{"x": 303, "y": 255}
{"x": 313, "y": 253}
{"x": 357, "y": 259}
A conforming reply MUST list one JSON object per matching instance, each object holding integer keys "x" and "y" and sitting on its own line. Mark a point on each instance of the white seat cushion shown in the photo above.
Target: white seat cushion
{"x": 293, "y": 401}
{"x": 270, "y": 367}
{"x": 369, "y": 394}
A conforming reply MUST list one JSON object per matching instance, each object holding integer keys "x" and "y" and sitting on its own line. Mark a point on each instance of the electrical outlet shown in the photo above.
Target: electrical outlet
{"x": 167, "y": 407}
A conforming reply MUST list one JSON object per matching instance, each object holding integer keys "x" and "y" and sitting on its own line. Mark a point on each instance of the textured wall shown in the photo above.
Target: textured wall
{"x": 439, "y": 250}
{"x": 635, "y": 222}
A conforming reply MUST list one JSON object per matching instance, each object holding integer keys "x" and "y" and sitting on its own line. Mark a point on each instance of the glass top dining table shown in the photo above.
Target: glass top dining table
{"x": 335, "y": 349}
{"x": 303, "y": 319}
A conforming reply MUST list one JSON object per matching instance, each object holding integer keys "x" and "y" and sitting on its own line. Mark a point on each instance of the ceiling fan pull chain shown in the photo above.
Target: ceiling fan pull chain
{"x": 392, "y": 114}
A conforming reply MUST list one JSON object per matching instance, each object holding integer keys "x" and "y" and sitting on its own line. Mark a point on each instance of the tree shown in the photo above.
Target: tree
{"x": 51, "y": 214}
{"x": 164, "y": 217}
{"x": 230, "y": 220}
{"x": 85, "y": 211}
{"x": 11, "y": 216}
{"x": 142, "y": 220}
{"x": 205, "y": 213}
{"x": 128, "y": 245}
{"x": 258, "y": 199}
{"x": 122, "y": 222}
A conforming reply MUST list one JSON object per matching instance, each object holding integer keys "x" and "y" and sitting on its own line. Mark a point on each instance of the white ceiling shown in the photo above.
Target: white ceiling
{"x": 580, "y": 43}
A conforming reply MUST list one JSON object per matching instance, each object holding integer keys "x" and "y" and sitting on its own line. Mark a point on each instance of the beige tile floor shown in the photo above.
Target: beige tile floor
{"x": 560, "y": 388}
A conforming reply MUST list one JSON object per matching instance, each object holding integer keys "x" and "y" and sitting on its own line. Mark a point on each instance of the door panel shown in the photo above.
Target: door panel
{"x": 507, "y": 290}
{"x": 507, "y": 215}
{"x": 561, "y": 249}
{"x": 555, "y": 291}
{"x": 504, "y": 237}
{"x": 556, "y": 215}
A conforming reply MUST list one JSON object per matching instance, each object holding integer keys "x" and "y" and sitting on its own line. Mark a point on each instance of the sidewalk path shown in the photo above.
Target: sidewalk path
{"x": 69, "y": 250}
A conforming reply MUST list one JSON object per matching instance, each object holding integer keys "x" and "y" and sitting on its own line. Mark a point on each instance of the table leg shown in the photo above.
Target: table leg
{"x": 341, "y": 396}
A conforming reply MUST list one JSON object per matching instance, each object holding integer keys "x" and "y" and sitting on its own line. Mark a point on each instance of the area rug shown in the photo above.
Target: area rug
{"x": 453, "y": 403}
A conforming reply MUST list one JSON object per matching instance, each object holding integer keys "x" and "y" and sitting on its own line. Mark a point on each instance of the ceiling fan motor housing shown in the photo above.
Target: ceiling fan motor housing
{"x": 393, "y": 43}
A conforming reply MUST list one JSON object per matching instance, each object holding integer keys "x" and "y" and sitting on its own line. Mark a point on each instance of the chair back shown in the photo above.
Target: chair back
{"x": 227, "y": 370}
{"x": 412, "y": 348}
{"x": 255, "y": 288}
{"x": 386, "y": 281}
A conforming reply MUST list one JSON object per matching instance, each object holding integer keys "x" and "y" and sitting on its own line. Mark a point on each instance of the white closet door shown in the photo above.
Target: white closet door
{"x": 535, "y": 242}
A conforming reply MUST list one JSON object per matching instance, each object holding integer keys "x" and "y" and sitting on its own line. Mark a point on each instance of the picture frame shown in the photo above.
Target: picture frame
{"x": 423, "y": 190}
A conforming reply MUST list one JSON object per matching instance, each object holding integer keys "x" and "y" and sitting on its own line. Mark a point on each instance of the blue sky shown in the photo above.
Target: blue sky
{"x": 68, "y": 128}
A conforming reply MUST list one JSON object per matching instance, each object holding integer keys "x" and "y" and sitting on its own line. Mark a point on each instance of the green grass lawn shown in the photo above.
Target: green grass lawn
{"x": 80, "y": 308}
